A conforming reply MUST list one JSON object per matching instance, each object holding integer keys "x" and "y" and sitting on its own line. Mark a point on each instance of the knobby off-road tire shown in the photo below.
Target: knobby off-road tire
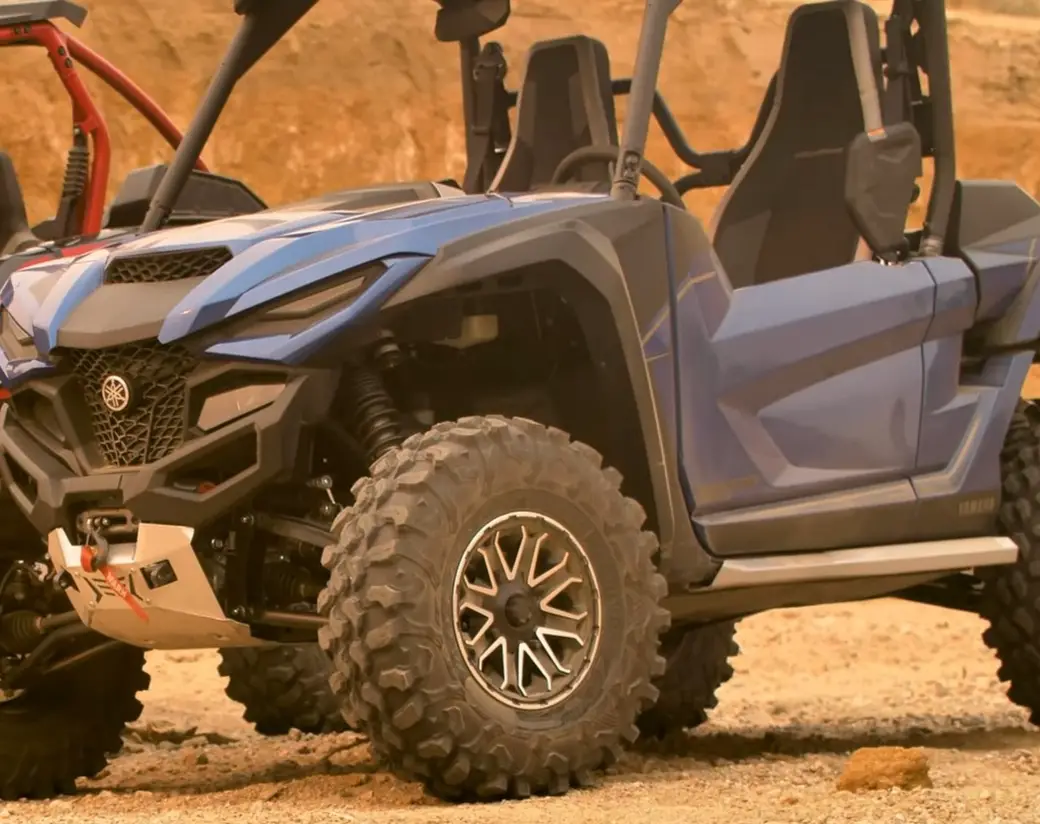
{"x": 283, "y": 688}
{"x": 407, "y": 666}
{"x": 1011, "y": 594}
{"x": 64, "y": 729}
{"x": 697, "y": 665}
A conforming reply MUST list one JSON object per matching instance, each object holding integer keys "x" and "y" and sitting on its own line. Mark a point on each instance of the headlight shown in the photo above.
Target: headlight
{"x": 311, "y": 304}
{"x": 304, "y": 307}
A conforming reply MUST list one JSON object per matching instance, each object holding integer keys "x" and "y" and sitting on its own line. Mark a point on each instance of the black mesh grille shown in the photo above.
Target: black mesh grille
{"x": 167, "y": 266}
{"x": 153, "y": 424}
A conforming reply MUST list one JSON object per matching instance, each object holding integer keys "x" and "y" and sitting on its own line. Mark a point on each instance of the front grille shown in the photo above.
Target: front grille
{"x": 166, "y": 266}
{"x": 153, "y": 424}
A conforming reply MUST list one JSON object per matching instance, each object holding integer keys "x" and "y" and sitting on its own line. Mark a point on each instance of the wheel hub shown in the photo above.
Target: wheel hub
{"x": 527, "y": 610}
{"x": 519, "y": 610}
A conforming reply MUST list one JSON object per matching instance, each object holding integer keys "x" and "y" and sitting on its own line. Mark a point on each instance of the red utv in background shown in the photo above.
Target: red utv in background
{"x": 82, "y": 222}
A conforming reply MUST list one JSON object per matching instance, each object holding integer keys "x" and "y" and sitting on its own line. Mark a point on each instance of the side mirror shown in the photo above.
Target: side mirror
{"x": 881, "y": 170}
{"x": 459, "y": 20}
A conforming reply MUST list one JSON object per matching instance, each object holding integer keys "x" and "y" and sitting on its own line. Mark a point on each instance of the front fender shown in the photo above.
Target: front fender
{"x": 593, "y": 262}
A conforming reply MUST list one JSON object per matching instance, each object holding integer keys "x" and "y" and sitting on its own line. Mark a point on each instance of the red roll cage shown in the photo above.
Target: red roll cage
{"x": 65, "y": 52}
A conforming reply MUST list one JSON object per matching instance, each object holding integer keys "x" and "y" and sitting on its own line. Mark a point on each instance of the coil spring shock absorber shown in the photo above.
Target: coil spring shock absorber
{"x": 375, "y": 418}
{"x": 77, "y": 174}
{"x": 77, "y": 168}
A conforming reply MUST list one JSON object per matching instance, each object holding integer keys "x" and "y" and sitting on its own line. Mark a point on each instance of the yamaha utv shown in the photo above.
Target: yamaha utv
{"x": 536, "y": 447}
{"x": 280, "y": 687}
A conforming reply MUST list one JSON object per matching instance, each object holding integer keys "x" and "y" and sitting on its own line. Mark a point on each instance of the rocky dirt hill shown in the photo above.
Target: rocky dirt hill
{"x": 361, "y": 91}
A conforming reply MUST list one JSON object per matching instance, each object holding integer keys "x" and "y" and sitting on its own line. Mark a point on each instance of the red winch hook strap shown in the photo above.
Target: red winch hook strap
{"x": 93, "y": 561}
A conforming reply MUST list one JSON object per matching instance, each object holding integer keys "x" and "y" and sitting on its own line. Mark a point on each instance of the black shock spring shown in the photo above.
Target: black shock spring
{"x": 375, "y": 418}
{"x": 77, "y": 170}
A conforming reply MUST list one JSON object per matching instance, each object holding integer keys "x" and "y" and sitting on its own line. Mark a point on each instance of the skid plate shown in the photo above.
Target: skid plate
{"x": 152, "y": 594}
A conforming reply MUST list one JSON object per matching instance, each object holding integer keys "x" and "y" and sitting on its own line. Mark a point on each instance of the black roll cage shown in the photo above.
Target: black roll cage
{"x": 907, "y": 53}
{"x": 916, "y": 42}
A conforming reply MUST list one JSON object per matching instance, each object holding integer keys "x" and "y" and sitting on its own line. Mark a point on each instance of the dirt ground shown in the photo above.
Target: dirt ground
{"x": 811, "y": 685}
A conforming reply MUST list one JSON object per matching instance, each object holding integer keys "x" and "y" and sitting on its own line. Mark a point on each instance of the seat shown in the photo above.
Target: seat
{"x": 14, "y": 226}
{"x": 565, "y": 103}
{"x": 785, "y": 213}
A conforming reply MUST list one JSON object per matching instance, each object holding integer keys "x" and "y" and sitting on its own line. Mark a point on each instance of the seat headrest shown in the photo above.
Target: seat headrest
{"x": 832, "y": 35}
{"x": 565, "y": 103}
{"x": 828, "y": 91}
{"x": 14, "y": 224}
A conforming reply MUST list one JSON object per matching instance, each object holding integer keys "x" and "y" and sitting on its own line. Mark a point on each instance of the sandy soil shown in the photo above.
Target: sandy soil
{"x": 811, "y": 686}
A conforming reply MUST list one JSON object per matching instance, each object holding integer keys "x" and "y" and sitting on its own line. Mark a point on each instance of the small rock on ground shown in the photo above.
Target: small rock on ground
{"x": 885, "y": 768}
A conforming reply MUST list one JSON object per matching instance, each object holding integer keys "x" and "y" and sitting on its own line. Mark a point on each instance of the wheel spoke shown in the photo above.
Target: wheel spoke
{"x": 499, "y": 644}
{"x": 525, "y": 651}
{"x": 492, "y": 589}
{"x": 543, "y": 633}
{"x": 511, "y": 571}
{"x": 534, "y": 580}
{"x": 487, "y": 615}
{"x": 549, "y": 609}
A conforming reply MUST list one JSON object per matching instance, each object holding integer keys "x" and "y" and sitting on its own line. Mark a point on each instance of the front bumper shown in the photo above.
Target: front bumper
{"x": 153, "y": 593}
{"x": 51, "y": 493}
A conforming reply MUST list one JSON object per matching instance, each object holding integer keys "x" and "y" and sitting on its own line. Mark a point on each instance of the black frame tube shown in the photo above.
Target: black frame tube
{"x": 198, "y": 133}
{"x": 263, "y": 25}
{"x": 469, "y": 50}
{"x": 931, "y": 17}
{"x": 641, "y": 100}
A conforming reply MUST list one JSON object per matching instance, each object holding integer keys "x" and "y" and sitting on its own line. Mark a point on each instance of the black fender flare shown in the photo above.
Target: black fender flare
{"x": 590, "y": 256}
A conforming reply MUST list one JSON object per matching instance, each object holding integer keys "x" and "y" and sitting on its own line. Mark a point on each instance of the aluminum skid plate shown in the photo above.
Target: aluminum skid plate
{"x": 153, "y": 593}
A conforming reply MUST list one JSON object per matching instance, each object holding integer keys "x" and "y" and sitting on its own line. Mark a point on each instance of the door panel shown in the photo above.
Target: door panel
{"x": 862, "y": 421}
{"x": 801, "y": 386}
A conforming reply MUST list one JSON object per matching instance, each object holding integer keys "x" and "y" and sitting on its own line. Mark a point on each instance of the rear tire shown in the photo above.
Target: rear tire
{"x": 283, "y": 688}
{"x": 65, "y": 728}
{"x": 427, "y": 675}
{"x": 697, "y": 665}
{"x": 1011, "y": 594}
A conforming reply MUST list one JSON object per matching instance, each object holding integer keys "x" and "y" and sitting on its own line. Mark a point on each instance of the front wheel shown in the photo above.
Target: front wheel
{"x": 494, "y": 612}
{"x": 64, "y": 727}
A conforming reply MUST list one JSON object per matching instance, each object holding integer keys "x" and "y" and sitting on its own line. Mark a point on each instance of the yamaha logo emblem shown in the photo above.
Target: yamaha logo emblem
{"x": 116, "y": 394}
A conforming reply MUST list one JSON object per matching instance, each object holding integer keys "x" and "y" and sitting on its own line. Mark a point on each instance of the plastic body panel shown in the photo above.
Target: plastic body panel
{"x": 206, "y": 196}
{"x": 817, "y": 412}
{"x": 831, "y": 409}
{"x": 59, "y": 480}
{"x": 611, "y": 261}
{"x": 996, "y": 229}
{"x": 612, "y": 266}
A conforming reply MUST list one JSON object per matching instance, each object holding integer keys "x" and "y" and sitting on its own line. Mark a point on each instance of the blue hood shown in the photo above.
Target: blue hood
{"x": 274, "y": 253}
